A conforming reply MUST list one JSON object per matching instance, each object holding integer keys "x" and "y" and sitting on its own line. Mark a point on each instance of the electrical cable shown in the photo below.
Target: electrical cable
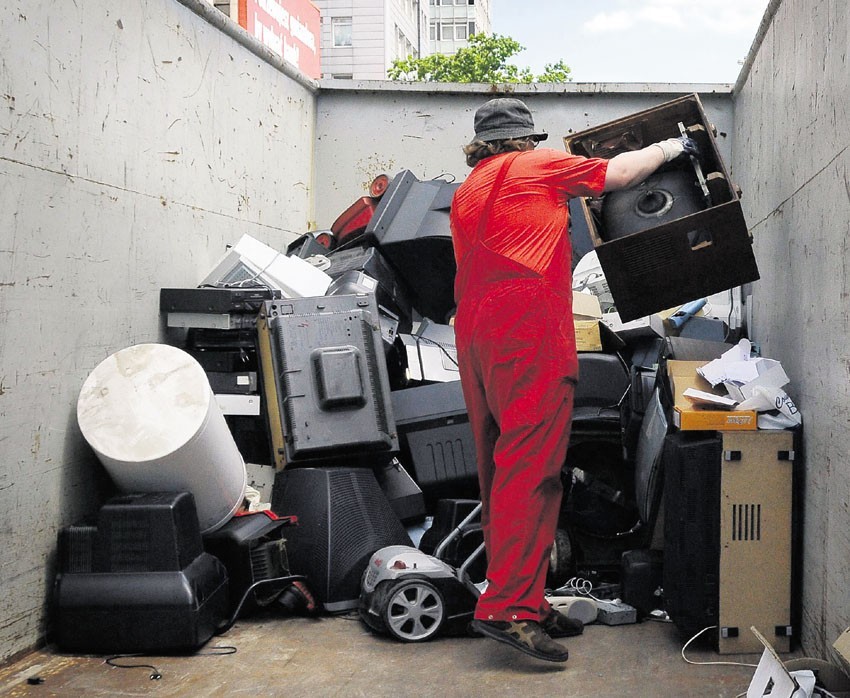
{"x": 729, "y": 316}
{"x": 438, "y": 344}
{"x": 228, "y": 624}
{"x": 578, "y": 585}
{"x": 707, "y": 663}
{"x": 156, "y": 675}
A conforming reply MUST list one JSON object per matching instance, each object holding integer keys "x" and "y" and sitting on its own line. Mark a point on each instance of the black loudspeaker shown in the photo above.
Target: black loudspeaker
{"x": 640, "y": 584}
{"x": 662, "y": 197}
{"x": 343, "y": 518}
{"x": 692, "y": 529}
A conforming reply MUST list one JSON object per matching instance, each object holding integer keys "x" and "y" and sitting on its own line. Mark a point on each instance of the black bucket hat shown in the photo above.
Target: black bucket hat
{"x": 505, "y": 117}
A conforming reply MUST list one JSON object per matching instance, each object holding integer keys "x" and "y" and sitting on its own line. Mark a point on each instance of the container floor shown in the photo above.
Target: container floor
{"x": 338, "y": 656}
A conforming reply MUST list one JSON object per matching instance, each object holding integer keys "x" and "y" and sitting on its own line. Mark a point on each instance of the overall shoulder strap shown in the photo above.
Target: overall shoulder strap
{"x": 497, "y": 184}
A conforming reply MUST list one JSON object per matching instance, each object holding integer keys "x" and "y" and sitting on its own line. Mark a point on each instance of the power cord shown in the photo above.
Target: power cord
{"x": 442, "y": 347}
{"x": 714, "y": 663}
{"x": 577, "y": 585}
{"x": 156, "y": 675}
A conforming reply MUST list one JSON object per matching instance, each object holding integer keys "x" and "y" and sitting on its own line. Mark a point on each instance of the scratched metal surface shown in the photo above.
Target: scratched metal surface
{"x": 136, "y": 141}
{"x": 793, "y": 161}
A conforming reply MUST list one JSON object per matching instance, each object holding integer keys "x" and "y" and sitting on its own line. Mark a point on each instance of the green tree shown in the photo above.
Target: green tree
{"x": 485, "y": 59}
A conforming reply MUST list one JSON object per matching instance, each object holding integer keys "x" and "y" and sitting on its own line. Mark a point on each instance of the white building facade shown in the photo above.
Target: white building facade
{"x": 454, "y": 21}
{"x": 362, "y": 38}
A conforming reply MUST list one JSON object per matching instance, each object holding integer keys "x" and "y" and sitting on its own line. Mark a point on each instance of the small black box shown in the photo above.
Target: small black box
{"x": 641, "y": 581}
{"x": 403, "y": 494}
{"x": 253, "y": 549}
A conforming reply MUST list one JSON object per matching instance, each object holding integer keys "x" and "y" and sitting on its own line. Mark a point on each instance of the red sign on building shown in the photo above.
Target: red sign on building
{"x": 290, "y": 28}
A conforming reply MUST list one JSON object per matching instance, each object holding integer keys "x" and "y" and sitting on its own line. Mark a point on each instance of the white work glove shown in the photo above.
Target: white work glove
{"x": 674, "y": 147}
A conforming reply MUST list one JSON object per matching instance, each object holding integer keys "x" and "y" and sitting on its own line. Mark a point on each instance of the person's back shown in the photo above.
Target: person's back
{"x": 527, "y": 221}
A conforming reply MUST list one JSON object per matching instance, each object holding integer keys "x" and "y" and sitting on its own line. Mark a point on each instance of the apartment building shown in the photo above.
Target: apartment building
{"x": 361, "y": 38}
{"x": 454, "y": 21}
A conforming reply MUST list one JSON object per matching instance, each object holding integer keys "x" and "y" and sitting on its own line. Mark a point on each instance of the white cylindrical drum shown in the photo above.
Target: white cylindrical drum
{"x": 151, "y": 417}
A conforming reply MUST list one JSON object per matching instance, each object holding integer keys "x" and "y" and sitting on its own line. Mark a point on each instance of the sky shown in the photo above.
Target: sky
{"x": 684, "y": 41}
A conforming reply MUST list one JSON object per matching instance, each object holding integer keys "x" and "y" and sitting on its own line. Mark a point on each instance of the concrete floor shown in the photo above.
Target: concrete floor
{"x": 337, "y": 656}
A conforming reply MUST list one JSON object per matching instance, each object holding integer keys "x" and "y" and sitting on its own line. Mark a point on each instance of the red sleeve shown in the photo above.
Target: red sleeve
{"x": 575, "y": 175}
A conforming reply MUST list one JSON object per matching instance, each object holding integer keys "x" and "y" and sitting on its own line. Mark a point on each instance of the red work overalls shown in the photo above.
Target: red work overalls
{"x": 518, "y": 366}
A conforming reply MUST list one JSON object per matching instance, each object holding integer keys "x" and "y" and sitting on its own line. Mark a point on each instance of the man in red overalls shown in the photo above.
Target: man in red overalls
{"x": 517, "y": 353}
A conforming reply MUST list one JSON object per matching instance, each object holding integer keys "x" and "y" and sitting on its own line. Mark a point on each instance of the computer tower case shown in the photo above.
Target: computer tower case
{"x": 325, "y": 379}
{"x": 687, "y": 252}
{"x": 343, "y": 518}
{"x": 140, "y": 580}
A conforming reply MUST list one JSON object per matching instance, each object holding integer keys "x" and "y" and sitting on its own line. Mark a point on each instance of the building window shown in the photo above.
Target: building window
{"x": 471, "y": 28}
{"x": 341, "y": 31}
{"x": 433, "y": 31}
{"x": 449, "y": 31}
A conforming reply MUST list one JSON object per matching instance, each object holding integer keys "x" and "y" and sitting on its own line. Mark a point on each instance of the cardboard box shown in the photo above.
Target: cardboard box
{"x": 586, "y": 306}
{"x": 588, "y": 337}
{"x": 669, "y": 263}
{"x": 690, "y": 417}
{"x": 842, "y": 647}
{"x": 648, "y": 326}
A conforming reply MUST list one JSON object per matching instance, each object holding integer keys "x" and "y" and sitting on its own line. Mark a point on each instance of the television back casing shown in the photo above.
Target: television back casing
{"x": 325, "y": 379}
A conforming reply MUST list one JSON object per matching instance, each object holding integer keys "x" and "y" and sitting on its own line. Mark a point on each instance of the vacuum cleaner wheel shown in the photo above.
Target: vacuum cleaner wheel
{"x": 414, "y": 610}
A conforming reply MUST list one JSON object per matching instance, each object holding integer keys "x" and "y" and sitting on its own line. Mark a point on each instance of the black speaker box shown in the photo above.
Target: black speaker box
{"x": 343, "y": 518}
{"x": 686, "y": 253}
{"x": 692, "y": 529}
{"x": 140, "y": 581}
